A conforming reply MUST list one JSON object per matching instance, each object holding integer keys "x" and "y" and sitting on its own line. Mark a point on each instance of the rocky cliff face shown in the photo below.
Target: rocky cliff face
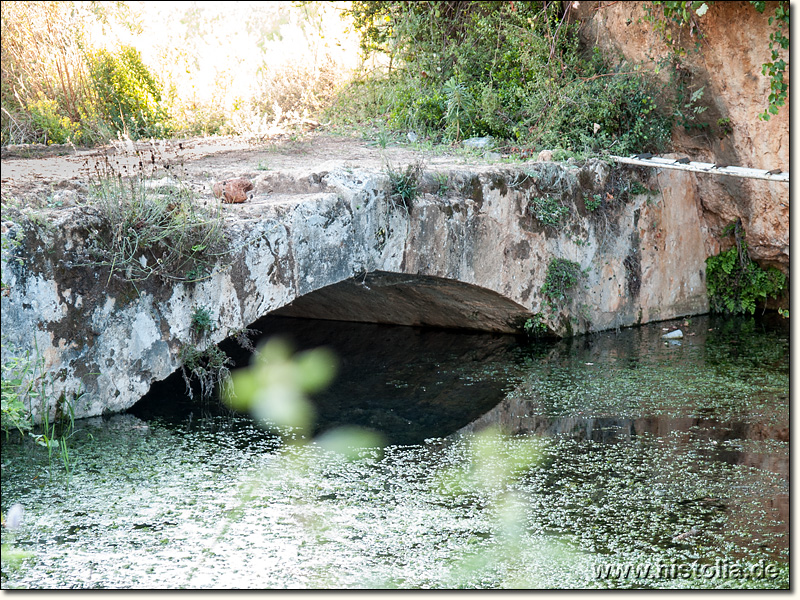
{"x": 732, "y": 43}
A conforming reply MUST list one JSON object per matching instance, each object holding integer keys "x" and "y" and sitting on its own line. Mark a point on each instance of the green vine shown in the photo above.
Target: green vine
{"x": 776, "y": 67}
{"x": 735, "y": 283}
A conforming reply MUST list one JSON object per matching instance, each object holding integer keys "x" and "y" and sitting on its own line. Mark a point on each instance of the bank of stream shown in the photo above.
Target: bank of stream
{"x": 638, "y": 453}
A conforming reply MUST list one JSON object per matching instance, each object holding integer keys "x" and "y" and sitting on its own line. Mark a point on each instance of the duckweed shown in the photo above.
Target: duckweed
{"x": 617, "y": 450}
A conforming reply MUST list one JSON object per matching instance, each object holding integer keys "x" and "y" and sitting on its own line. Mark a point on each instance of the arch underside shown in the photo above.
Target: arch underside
{"x": 414, "y": 300}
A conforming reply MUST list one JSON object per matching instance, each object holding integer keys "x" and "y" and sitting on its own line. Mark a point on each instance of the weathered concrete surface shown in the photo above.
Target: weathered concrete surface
{"x": 727, "y": 65}
{"x": 469, "y": 255}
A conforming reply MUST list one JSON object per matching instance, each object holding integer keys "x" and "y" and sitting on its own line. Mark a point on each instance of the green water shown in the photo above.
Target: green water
{"x": 626, "y": 452}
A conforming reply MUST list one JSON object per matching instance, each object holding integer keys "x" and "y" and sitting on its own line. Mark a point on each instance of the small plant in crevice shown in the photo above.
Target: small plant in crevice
{"x": 735, "y": 283}
{"x": 725, "y": 127}
{"x": 404, "y": 185}
{"x": 562, "y": 276}
{"x": 441, "y": 183}
{"x": 380, "y": 239}
{"x": 202, "y": 322}
{"x": 593, "y": 202}
{"x": 636, "y": 189}
{"x": 208, "y": 367}
{"x": 242, "y": 337}
{"x": 548, "y": 210}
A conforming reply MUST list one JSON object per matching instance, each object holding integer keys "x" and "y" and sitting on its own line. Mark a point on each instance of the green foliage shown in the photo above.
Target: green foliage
{"x": 724, "y": 127}
{"x": 442, "y": 185}
{"x": 594, "y": 202}
{"x": 128, "y": 94}
{"x": 548, "y": 210}
{"x": 55, "y": 89}
{"x": 562, "y": 275}
{"x": 383, "y": 139}
{"x": 460, "y": 107}
{"x": 25, "y": 384}
{"x": 17, "y": 388}
{"x": 404, "y": 186}
{"x": 535, "y": 326}
{"x": 150, "y": 230}
{"x": 776, "y": 66}
{"x": 682, "y": 12}
{"x": 688, "y": 110}
{"x": 623, "y": 106}
{"x": 275, "y": 388}
{"x": 637, "y": 189}
{"x": 208, "y": 367}
{"x": 56, "y": 128}
{"x": 511, "y": 70}
{"x": 202, "y": 321}
{"x": 735, "y": 284}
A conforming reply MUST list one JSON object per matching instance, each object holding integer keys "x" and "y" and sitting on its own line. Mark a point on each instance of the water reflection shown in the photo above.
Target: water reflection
{"x": 410, "y": 384}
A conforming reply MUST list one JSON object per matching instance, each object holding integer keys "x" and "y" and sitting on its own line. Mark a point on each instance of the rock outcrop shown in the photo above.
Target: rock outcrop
{"x": 724, "y": 55}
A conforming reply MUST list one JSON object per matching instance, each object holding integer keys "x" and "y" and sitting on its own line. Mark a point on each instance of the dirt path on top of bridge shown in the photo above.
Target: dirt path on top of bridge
{"x": 34, "y": 174}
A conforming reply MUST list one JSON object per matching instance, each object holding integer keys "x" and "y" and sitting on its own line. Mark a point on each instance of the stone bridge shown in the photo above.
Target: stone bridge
{"x": 472, "y": 253}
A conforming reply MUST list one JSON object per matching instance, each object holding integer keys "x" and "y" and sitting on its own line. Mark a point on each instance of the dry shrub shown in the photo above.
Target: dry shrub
{"x": 286, "y": 96}
{"x": 43, "y": 70}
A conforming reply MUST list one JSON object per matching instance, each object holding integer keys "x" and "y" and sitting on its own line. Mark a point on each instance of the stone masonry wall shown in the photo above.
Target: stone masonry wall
{"x": 101, "y": 341}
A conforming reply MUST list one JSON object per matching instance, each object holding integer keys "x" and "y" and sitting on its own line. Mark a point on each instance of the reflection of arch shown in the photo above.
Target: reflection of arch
{"x": 417, "y": 300}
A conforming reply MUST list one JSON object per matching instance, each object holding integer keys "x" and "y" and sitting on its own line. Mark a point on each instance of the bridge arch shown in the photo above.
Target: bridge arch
{"x": 412, "y": 300}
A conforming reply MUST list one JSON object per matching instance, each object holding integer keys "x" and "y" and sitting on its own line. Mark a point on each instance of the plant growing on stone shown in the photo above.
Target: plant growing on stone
{"x": 208, "y": 367}
{"x": 548, "y": 210}
{"x": 593, "y": 202}
{"x": 735, "y": 283}
{"x": 562, "y": 275}
{"x": 242, "y": 337}
{"x": 441, "y": 183}
{"x": 151, "y": 226}
{"x": 725, "y": 127}
{"x": 404, "y": 185}
{"x": 202, "y": 322}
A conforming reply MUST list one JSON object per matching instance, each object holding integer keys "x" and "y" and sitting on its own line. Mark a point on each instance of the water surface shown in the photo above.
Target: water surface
{"x": 620, "y": 450}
